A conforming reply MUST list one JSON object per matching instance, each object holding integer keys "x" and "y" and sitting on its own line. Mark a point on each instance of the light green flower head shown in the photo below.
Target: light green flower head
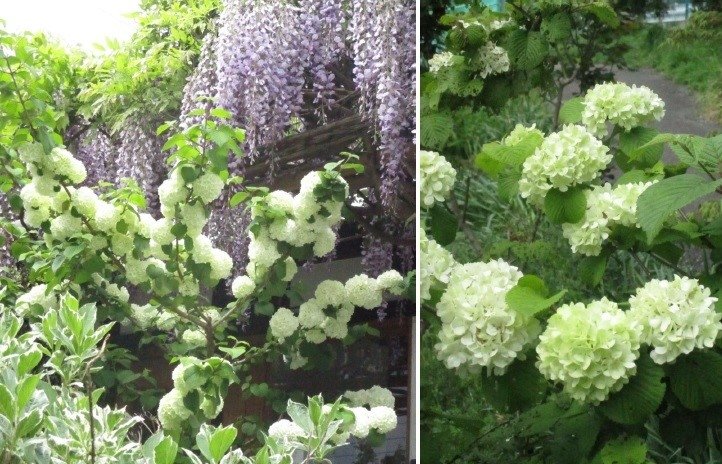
{"x": 676, "y": 317}
{"x": 478, "y": 329}
{"x": 591, "y": 350}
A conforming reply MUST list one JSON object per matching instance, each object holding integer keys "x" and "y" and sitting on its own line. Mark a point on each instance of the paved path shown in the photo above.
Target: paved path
{"x": 683, "y": 113}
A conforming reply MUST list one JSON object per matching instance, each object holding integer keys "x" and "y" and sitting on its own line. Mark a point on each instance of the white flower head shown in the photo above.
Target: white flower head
{"x": 620, "y": 104}
{"x": 436, "y": 178}
{"x": 283, "y": 324}
{"x": 676, "y": 317}
{"x": 591, "y": 350}
{"x": 478, "y": 329}
{"x": 171, "y": 411}
{"x": 566, "y": 158}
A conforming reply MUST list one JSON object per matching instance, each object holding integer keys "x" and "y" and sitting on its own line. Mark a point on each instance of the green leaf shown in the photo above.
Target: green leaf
{"x": 527, "y": 49}
{"x": 221, "y": 441}
{"x": 443, "y": 224}
{"x": 508, "y": 184}
{"x": 557, "y": 27}
{"x": 25, "y": 390}
{"x": 179, "y": 230}
{"x": 574, "y": 435}
{"x": 7, "y": 403}
{"x": 631, "y": 142}
{"x": 591, "y": 268}
{"x": 436, "y": 129}
{"x": 166, "y": 451}
{"x": 264, "y": 308}
{"x": 513, "y": 155}
{"x": 571, "y": 111}
{"x": 29, "y": 424}
{"x": 624, "y": 450}
{"x": 696, "y": 379}
{"x": 528, "y": 300}
{"x": 665, "y": 197}
{"x": 521, "y": 387}
{"x": 137, "y": 199}
{"x": 299, "y": 414}
{"x": 638, "y": 399}
{"x": 604, "y": 12}
{"x": 238, "y": 197}
{"x": 566, "y": 206}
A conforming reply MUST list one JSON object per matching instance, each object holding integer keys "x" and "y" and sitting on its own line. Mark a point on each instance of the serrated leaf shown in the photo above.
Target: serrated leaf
{"x": 624, "y": 450}
{"x": 508, "y": 184}
{"x": 665, "y": 197}
{"x": 604, "y": 12}
{"x": 436, "y": 129}
{"x": 521, "y": 386}
{"x": 571, "y": 111}
{"x": 591, "y": 269}
{"x": 565, "y": 207}
{"x": 639, "y": 398}
{"x": 630, "y": 143}
{"x": 557, "y": 27}
{"x": 443, "y": 224}
{"x": 528, "y": 301}
{"x": 166, "y": 451}
{"x": 527, "y": 49}
{"x": 696, "y": 379}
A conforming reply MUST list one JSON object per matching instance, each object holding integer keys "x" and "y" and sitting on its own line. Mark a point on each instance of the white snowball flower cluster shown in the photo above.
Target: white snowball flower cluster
{"x": 676, "y": 317}
{"x": 436, "y": 178}
{"x": 301, "y": 220}
{"x": 58, "y": 165}
{"x": 283, "y": 324}
{"x": 145, "y": 315}
{"x": 606, "y": 207}
{"x": 494, "y": 60}
{"x": 35, "y": 296}
{"x": 374, "y": 396}
{"x": 328, "y": 313}
{"x": 519, "y": 133}
{"x": 620, "y": 104}
{"x": 285, "y": 430}
{"x": 440, "y": 60}
{"x": 171, "y": 411}
{"x": 478, "y": 329}
{"x": 437, "y": 264}
{"x": 591, "y": 350}
{"x": 566, "y": 158}
{"x": 380, "y": 418}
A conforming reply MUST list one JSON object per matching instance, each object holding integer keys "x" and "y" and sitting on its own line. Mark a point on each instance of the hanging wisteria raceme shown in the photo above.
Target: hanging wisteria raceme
{"x": 323, "y": 47}
{"x": 383, "y": 34}
{"x": 140, "y": 157}
{"x": 260, "y": 74}
{"x": 201, "y": 85}
{"x": 97, "y": 153}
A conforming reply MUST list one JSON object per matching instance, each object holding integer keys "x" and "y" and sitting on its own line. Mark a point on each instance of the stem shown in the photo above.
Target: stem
{"x": 454, "y": 207}
{"x": 89, "y": 393}
{"x": 640, "y": 263}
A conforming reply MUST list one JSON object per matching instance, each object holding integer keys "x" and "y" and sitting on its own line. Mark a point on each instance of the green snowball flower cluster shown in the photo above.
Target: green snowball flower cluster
{"x": 566, "y": 158}
{"x": 494, "y": 59}
{"x": 478, "y": 329}
{"x": 676, "y": 317}
{"x": 590, "y": 349}
{"x": 606, "y": 207}
{"x": 436, "y": 265}
{"x": 620, "y": 104}
{"x": 440, "y": 60}
{"x": 436, "y": 178}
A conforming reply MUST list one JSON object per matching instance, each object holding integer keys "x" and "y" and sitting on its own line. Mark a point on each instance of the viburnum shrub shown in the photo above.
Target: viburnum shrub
{"x": 591, "y": 372}
{"x": 93, "y": 258}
